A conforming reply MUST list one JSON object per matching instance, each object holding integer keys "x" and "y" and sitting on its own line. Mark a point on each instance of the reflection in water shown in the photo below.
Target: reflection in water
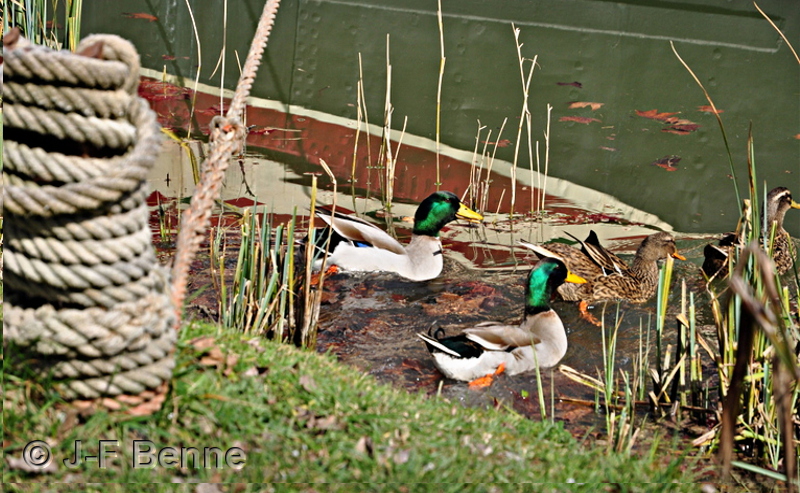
{"x": 612, "y": 56}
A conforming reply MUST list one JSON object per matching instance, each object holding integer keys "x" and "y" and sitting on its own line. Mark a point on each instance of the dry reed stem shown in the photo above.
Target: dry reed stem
{"x": 476, "y": 168}
{"x": 439, "y": 93}
{"x": 779, "y": 32}
{"x": 388, "y": 158}
{"x": 363, "y": 99}
{"x": 487, "y": 181}
{"x": 546, "y": 156}
{"x": 525, "y": 111}
{"x": 199, "y": 67}
{"x": 716, "y": 115}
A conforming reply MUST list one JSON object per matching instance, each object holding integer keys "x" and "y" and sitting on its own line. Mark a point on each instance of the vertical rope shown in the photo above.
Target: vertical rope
{"x": 226, "y": 138}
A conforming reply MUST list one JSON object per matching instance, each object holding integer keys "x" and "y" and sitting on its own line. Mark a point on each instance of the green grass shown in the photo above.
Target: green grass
{"x": 303, "y": 417}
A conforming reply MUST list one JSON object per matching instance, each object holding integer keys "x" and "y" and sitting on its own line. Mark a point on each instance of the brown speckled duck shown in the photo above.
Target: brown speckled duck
{"x": 607, "y": 276}
{"x": 779, "y": 200}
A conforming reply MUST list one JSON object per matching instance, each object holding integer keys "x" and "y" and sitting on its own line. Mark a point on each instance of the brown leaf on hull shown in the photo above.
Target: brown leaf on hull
{"x": 583, "y": 104}
{"x": 140, "y": 15}
{"x": 578, "y": 119}
{"x": 667, "y": 162}
{"x": 655, "y": 115}
{"x": 709, "y": 109}
{"x": 681, "y": 129}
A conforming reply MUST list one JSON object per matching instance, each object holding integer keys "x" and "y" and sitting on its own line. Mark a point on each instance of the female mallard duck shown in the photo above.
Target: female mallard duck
{"x": 607, "y": 276}
{"x": 361, "y": 246}
{"x": 779, "y": 200}
{"x": 491, "y": 347}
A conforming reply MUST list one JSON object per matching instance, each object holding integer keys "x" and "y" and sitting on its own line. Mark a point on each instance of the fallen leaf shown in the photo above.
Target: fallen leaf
{"x": 308, "y": 383}
{"x": 203, "y": 342}
{"x": 578, "y": 119}
{"x": 261, "y": 131}
{"x": 401, "y": 456}
{"x": 681, "y": 129}
{"x": 655, "y": 115}
{"x": 364, "y": 446}
{"x": 709, "y": 109}
{"x": 207, "y": 488}
{"x": 499, "y": 143}
{"x": 412, "y": 364}
{"x": 327, "y": 423}
{"x": 667, "y": 162}
{"x": 581, "y": 104}
{"x": 19, "y": 463}
{"x": 255, "y": 343}
{"x": 230, "y": 362}
{"x": 70, "y": 420}
{"x": 573, "y": 84}
{"x": 140, "y": 15}
{"x": 214, "y": 357}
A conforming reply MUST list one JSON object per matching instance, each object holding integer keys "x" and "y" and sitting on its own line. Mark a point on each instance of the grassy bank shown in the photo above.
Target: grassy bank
{"x": 302, "y": 417}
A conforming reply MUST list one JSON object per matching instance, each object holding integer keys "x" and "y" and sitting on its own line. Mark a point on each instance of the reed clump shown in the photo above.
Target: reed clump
{"x": 50, "y": 23}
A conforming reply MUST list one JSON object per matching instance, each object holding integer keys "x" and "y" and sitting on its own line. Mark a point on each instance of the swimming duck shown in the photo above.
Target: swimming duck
{"x": 358, "y": 245}
{"x": 779, "y": 200}
{"x": 493, "y": 347}
{"x": 607, "y": 276}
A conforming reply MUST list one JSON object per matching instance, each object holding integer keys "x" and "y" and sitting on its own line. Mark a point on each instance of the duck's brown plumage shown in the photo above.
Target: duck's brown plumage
{"x": 614, "y": 280}
{"x": 779, "y": 201}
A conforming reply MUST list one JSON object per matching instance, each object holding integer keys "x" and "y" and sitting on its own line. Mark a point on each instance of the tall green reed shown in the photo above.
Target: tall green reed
{"x": 46, "y": 22}
{"x": 752, "y": 415}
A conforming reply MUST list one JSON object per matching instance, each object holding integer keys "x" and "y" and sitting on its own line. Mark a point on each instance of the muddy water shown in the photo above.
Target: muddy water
{"x": 370, "y": 321}
{"x": 627, "y": 121}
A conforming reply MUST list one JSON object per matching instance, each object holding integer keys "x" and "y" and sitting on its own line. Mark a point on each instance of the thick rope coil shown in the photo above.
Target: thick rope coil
{"x": 40, "y": 166}
{"x": 117, "y": 68}
{"x": 87, "y": 102}
{"x": 84, "y": 295}
{"x": 86, "y": 303}
{"x": 90, "y": 194}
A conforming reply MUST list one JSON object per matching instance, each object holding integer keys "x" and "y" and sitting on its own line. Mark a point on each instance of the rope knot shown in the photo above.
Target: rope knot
{"x": 224, "y": 129}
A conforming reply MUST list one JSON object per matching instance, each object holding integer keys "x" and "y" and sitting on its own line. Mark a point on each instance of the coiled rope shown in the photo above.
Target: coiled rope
{"x": 87, "y": 305}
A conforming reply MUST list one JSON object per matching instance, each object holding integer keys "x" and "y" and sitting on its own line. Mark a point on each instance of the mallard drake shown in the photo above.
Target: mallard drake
{"x": 608, "y": 277}
{"x": 482, "y": 349}
{"x": 358, "y": 245}
{"x": 779, "y": 200}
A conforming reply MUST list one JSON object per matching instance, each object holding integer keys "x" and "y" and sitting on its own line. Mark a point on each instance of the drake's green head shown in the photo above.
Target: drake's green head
{"x": 439, "y": 209}
{"x": 543, "y": 280}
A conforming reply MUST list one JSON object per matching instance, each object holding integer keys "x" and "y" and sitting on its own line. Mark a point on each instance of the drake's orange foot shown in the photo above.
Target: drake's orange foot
{"x": 333, "y": 269}
{"x": 487, "y": 380}
{"x": 582, "y": 308}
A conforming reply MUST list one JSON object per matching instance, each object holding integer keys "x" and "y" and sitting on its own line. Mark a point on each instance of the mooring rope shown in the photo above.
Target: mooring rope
{"x": 226, "y": 138}
{"x": 85, "y": 298}
{"x": 86, "y": 302}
